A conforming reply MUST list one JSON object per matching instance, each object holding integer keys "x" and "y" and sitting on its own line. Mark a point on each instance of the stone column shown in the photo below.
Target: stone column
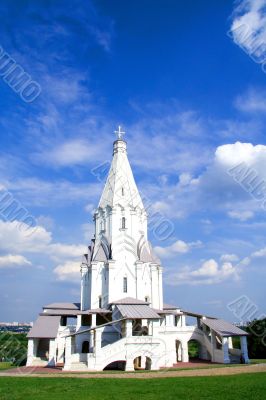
{"x": 128, "y": 328}
{"x": 185, "y": 357}
{"x": 244, "y": 349}
{"x": 31, "y": 351}
{"x": 98, "y": 340}
{"x": 68, "y": 352}
{"x": 93, "y": 319}
{"x": 52, "y": 353}
{"x": 91, "y": 333}
{"x": 230, "y": 343}
{"x": 226, "y": 350}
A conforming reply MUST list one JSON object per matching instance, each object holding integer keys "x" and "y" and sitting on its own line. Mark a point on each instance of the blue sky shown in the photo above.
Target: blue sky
{"x": 192, "y": 99}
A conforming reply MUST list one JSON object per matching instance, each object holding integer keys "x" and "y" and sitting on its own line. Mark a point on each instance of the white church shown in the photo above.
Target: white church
{"x": 122, "y": 321}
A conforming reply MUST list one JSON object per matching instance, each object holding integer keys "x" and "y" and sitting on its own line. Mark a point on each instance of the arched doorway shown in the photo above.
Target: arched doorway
{"x": 142, "y": 362}
{"x": 85, "y": 347}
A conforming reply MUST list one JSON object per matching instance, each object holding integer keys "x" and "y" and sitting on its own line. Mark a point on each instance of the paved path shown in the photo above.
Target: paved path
{"x": 215, "y": 371}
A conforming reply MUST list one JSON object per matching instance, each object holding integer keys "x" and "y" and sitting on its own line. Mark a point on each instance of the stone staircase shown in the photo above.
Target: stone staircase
{"x": 79, "y": 366}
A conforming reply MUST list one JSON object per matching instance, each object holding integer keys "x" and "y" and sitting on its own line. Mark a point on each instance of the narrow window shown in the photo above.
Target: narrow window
{"x": 147, "y": 299}
{"x": 100, "y": 301}
{"x": 122, "y": 190}
{"x": 125, "y": 284}
{"x": 123, "y": 223}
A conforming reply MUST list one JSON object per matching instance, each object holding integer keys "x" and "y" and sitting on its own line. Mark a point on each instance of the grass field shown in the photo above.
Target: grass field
{"x": 5, "y": 365}
{"x": 221, "y": 387}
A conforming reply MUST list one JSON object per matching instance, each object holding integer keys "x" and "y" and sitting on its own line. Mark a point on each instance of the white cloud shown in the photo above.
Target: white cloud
{"x": 45, "y": 221}
{"x": 69, "y": 271}
{"x": 260, "y": 253}
{"x": 89, "y": 208}
{"x": 17, "y": 237}
{"x": 209, "y": 273}
{"x": 241, "y": 215}
{"x": 72, "y": 152}
{"x": 229, "y": 155}
{"x": 59, "y": 251}
{"x": 178, "y": 247}
{"x": 13, "y": 261}
{"x": 229, "y": 258}
{"x": 186, "y": 179}
{"x": 35, "y": 191}
{"x": 251, "y": 101}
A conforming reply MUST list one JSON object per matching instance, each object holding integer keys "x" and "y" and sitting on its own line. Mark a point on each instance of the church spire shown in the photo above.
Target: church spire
{"x": 120, "y": 188}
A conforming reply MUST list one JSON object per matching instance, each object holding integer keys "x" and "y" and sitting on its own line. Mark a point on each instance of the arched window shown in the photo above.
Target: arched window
{"x": 123, "y": 223}
{"x": 85, "y": 347}
{"x": 125, "y": 284}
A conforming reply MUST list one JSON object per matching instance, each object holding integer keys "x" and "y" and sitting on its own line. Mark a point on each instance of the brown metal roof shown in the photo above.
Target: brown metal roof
{"x": 45, "y": 327}
{"x": 223, "y": 328}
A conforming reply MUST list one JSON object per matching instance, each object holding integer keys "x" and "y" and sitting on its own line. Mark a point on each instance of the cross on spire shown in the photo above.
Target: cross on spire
{"x": 120, "y": 133}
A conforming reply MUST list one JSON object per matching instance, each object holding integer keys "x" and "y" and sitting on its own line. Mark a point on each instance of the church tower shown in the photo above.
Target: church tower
{"x": 120, "y": 262}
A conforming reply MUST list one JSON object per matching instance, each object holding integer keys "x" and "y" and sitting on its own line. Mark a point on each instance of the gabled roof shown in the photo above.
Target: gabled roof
{"x": 169, "y": 307}
{"x": 45, "y": 327}
{"x": 129, "y": 300}
{"x": 63, "y": 306}
{"x": 136, "y": 311}
{"x": 223, "y": 328}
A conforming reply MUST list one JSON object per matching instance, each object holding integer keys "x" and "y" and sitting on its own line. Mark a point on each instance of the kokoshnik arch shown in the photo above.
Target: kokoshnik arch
{"x": 121, "y": 320}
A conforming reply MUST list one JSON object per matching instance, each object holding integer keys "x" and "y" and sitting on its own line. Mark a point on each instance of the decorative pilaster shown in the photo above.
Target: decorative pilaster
{"x": 84, "y": 295}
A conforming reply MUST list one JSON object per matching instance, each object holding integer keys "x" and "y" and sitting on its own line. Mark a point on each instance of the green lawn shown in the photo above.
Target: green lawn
{"x": 5, "y": 365}
{"x": 235, "y": 387}
{"x": 258, "y": 361}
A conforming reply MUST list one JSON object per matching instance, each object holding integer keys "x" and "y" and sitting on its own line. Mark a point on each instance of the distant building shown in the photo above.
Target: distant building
{"x": 121, "y": 320}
